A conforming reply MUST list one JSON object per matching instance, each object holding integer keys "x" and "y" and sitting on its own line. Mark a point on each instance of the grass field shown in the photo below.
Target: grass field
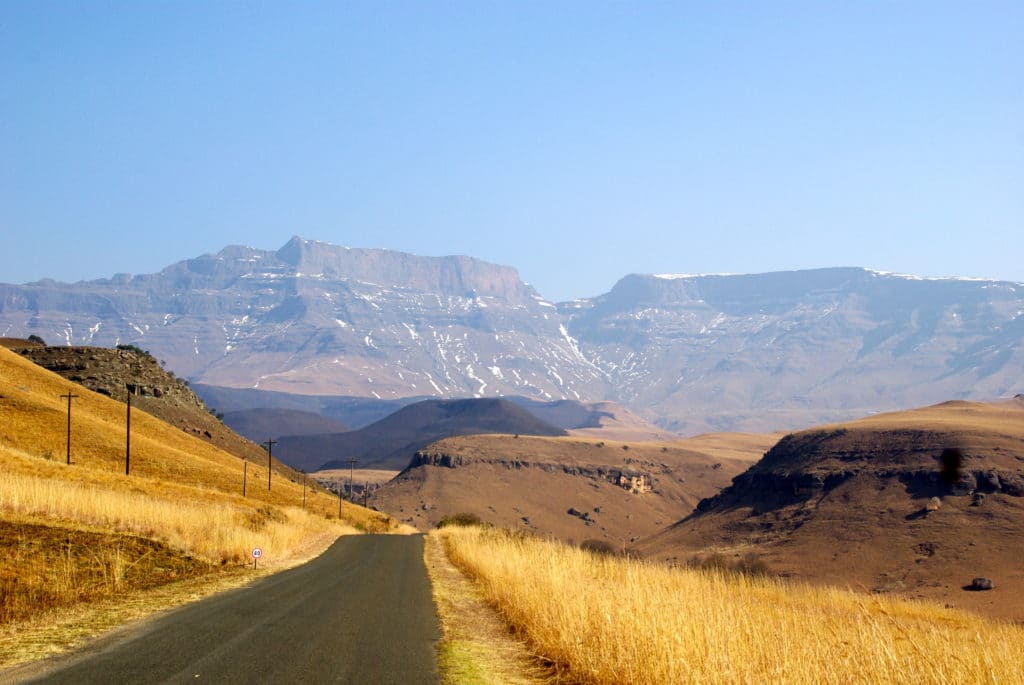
{"x": 80, "y": 533}
{"x": 604, "y": 619}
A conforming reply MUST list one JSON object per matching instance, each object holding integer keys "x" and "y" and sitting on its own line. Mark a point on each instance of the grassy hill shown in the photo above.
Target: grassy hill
{"x": 915, "y": 503}
{"x": 79, "y": 533}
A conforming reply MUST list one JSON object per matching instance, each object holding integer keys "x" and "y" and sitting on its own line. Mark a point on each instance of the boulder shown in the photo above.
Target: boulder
{"x": 980, "y": 583}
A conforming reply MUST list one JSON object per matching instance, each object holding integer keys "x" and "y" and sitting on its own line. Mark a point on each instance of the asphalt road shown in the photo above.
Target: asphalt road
{"x": 359, "y": 613}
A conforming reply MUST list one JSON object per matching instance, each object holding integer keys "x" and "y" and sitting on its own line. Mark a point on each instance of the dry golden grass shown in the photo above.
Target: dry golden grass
{"x": 163, "y": 458}
{"x": 212, "y": 526}
{"x": 1000, "y": 418}
{"x": 612, "y": 620}
{"x": 744, "y": 446}
{"x": 76, "y": 534}
{"x": 476, "y": 647}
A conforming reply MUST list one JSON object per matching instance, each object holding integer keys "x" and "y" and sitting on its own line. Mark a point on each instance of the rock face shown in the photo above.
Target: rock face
{"x": 314, "y": 318}
{"x": 634, "y": 481}
{"x": 692, "y": 353}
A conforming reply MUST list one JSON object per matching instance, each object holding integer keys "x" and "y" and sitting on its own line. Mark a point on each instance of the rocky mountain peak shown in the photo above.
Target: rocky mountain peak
{"x": 695, "y": 353}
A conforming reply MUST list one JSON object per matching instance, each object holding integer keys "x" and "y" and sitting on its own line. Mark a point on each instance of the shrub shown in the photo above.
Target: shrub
{"x": 37, "y": 340}
{"x": 463, "y": 518}
{"x": 134, "y": 348}
{"x": 750, "y": 564}
{"x": 598, "y": 547}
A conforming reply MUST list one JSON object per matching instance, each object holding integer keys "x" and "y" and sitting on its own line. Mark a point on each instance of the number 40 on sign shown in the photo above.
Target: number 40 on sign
{"x": 256, "y": 554}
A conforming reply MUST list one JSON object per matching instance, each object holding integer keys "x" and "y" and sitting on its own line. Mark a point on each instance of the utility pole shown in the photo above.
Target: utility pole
{"x": 351, "y": 473}
{"x": 270, "y": 453}
{"x": 128, "y": 437}
{"x": 70, "y": 396}
{"x": 245, "y": 475}
{"x": 303, "y": 489}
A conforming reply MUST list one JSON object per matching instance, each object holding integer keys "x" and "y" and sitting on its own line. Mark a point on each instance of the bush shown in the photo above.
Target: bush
{"x": 133, "y": 348}
{"x": 37, "y": 340}
{"x": 750, "y": 564}
{"x": 598, "y": 547}
{"x": 461, "y": 519}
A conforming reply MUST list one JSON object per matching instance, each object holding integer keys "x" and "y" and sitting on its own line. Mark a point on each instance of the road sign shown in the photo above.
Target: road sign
{"x": 257, "y": 553}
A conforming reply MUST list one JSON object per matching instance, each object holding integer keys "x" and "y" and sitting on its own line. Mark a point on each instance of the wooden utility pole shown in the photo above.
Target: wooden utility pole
{"x": 245, "y": 475}
{"x": 70, "y": 396}
{"x": 128, "y": 437}
{"x": 303, "y": 489}
{"x": 270, "y": 454}
{"x": 351, "y": 473}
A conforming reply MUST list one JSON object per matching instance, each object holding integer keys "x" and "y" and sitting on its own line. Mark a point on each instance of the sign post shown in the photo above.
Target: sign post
{"x": 256, "y": 554}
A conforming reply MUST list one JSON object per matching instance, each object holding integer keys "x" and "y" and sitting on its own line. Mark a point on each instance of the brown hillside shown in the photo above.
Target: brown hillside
{"x": 117, "y": 373}
{"x": 619, "y": 491}
{"x": 847, "y": 504}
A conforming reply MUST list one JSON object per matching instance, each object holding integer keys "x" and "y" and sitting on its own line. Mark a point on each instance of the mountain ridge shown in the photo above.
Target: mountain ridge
{"x": 692, "y": 353}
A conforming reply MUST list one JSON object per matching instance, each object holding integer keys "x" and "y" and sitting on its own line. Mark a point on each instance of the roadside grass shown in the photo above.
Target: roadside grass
{"x": 71, "y": 535}
{"x": 215, "y": 527}
{"x": 476, "y": 647}
{"x": 604, "y": 619}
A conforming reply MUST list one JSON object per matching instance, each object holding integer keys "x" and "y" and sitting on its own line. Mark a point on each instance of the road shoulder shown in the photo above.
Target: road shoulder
{"x": 476, "y": 646}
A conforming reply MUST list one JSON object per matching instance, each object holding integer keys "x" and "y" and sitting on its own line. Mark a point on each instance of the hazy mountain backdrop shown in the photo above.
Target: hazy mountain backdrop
{"x": 692, "y": 353}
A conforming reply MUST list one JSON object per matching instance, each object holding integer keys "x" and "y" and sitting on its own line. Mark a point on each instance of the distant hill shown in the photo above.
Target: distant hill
{"x": 391, "y": 442}
{"x": 260, "y": 425}
{"x": 355, "y": 412}
{"x": 573, "y": 488}
{"x": 847, "y": 504}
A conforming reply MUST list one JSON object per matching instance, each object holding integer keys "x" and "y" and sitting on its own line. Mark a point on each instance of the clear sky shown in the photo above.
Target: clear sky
{"x": 576, "y": 141}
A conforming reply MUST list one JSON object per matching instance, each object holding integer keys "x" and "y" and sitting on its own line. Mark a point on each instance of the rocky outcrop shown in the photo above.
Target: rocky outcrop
{"x": 115, "y": 373}
{"x": 634, "y": 481}
{"x": 118, "y": 373}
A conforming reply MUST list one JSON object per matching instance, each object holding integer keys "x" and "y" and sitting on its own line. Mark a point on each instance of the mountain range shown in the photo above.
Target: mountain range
{"x": 692, "y": 353}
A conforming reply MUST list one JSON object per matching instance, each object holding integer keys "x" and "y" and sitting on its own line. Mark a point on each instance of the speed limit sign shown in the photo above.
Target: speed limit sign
{"x": 256, "y": 554}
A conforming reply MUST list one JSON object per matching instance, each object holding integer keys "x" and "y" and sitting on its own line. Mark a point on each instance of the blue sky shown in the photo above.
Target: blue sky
{"x": 576, "y": 141}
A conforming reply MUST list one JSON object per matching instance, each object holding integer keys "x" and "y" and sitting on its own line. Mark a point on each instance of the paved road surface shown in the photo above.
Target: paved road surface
{"x": 359, "y": 613}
